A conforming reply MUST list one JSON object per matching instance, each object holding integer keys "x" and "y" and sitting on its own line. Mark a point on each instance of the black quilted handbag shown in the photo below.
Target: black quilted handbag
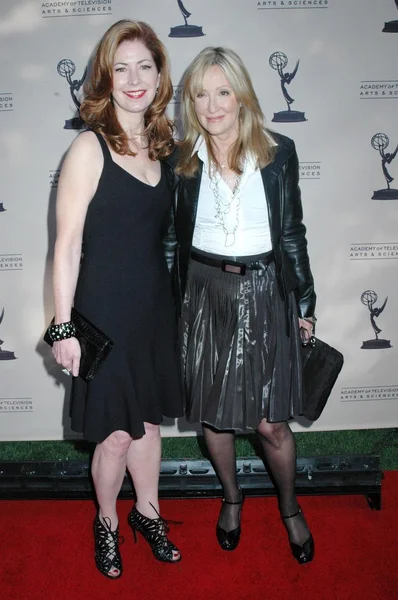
{"x": 321, "y": 367}
{"x": 95, "y": 345}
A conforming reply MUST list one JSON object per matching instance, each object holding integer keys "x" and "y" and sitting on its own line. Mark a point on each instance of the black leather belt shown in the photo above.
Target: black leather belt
{"x": 234, "y": 266}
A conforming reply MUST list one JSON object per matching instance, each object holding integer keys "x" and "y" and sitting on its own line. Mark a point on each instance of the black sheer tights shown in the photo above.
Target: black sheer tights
{"x": 279, "y": 449}
{"x": 221, "y": 447}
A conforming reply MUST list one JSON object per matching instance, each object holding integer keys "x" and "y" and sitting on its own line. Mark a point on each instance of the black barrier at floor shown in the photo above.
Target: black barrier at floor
{"x": 179, "y": 478}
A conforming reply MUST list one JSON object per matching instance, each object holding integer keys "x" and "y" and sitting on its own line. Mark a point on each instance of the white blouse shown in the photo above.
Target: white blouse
{"x": 247, "y": 213}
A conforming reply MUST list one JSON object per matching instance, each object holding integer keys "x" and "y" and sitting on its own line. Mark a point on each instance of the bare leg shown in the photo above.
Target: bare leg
{"x": 108, "y": 469}
{"x": 279, "y": 447}
{"x": 143, "y": 463}
{"x": 221, "y": 447}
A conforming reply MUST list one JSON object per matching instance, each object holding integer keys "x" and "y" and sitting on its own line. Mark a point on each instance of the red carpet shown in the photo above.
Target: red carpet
{"x": 46, "y": 553}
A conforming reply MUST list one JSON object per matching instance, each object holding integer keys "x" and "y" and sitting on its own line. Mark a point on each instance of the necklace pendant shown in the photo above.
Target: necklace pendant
{"x": 229, "y": 239}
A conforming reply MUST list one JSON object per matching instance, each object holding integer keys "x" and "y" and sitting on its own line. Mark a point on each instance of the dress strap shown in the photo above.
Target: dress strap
{"x": 105, "y": 149}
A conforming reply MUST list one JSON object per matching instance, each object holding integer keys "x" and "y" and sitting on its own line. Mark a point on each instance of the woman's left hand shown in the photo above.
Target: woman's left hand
{"x": 306, "y": 328}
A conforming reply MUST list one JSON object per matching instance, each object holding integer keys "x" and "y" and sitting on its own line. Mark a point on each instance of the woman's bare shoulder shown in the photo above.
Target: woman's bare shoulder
{"x": 86, "y": 143}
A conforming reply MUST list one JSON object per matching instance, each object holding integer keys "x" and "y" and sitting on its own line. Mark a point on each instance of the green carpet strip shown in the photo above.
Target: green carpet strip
{"x": 383, "y": 442}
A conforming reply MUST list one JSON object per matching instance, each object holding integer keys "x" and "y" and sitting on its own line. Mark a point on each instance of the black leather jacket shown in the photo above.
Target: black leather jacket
{"x": 280, "y": 179}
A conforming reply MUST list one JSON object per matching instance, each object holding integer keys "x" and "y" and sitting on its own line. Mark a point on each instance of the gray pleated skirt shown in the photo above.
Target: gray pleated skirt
{"x": 239, "y": 366}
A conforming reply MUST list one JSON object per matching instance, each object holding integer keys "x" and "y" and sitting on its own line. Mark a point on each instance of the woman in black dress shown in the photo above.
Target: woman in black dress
{"x": 245, "y": 283}
{"x": 114, "y": 202}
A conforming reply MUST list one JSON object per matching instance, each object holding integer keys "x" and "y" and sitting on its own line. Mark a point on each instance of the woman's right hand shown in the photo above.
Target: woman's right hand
{"x": 67, "y": 354}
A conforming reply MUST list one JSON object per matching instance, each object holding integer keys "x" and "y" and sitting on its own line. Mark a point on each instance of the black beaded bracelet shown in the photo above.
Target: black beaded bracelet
{"x": 63, "y": 331}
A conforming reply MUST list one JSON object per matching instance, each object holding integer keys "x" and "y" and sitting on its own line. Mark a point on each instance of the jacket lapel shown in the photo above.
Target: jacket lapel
{"x": 171, "y": 176}
{"x": 186, "y": 210}
{"x": 270, "y": 177}
{"x": 270, "y": 181}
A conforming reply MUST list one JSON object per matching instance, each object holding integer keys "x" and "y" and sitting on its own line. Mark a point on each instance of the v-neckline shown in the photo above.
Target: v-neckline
{"x": 137, "y": 178}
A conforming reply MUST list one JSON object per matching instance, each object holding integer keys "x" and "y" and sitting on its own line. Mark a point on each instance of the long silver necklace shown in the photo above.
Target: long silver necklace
{"x": 223, "y": 206}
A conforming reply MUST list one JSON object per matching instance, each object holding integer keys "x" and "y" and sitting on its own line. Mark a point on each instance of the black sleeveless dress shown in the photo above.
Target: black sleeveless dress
{"x": 124, "y": 288}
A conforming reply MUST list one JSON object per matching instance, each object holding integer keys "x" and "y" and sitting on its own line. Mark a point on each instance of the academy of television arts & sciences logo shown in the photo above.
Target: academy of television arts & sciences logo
{"x": 5, "y": 354}
{"x": 369, "y": 299}
{"x": 380, "y": 142}
{"x": 391, "y": 26}
{"x": 66, "y": 68}
{"x": 186, "y": 30}
{"x": 278, "y": 61}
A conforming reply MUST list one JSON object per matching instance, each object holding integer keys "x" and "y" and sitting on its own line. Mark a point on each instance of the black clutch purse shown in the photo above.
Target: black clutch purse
{"x": 95, "y": 345}
{"x": 321, "y": 367}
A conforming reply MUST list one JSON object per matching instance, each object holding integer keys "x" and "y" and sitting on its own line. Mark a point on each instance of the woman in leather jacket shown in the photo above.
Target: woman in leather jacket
{"x": 243, "y": 283}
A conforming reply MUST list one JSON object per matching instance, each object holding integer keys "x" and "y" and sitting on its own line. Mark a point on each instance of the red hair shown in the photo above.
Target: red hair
{"x": 97, "y": 109}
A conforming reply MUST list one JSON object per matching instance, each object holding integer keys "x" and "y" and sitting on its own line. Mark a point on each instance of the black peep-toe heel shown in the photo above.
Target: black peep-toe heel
{"x": 305, "y": 553}
{"x": 155, "y": 532}
{"x": 107, "y": 555}
{"x": 229, "y": 540}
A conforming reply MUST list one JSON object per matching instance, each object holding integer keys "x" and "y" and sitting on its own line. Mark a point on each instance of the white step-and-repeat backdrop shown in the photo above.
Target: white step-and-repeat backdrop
{"x": 337, "y": 59}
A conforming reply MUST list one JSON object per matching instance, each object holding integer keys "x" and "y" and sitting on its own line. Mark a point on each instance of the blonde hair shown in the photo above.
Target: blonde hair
{"x": 252, "y": 139}
{"x": 98, "y": 111}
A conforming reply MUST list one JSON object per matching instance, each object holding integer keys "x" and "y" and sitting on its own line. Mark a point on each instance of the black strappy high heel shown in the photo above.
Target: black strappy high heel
{"x": 154, "y": 531}
{"x": 107, "y": 555}
{"x": 305, "y": 553}
{"x": 229, "y": 540}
